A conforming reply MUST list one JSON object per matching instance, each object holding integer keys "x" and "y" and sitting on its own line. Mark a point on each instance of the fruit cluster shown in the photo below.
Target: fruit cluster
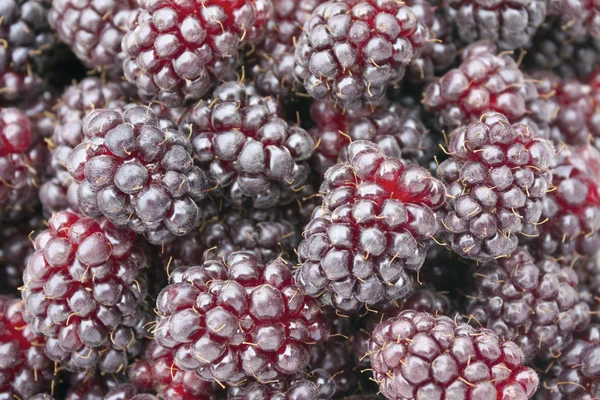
{"x": 299, "y": 200}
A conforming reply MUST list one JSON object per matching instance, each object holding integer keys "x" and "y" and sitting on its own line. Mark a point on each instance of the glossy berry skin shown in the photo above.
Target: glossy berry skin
{"x": 93, "y": 28}
{"x": 572, "y": 210}
{"x": 59, "y": 192}
{"x": 350, "y": 51}
{"x": 576, "y": 374}
{"x": 533, "y": 302}
{"x": 399, "y": 133}
{"x": 15, "y": 131}
{"x": 137, "y": 174}
{"x": 589, "y": 286}
{"x": 438, "y": 54}
{"x": 581, "y": 19}
{"x": 226, "y": 232}
{"x": 25, "y": 36}
{"x": 370, "y": 235}
{"x": 497, "y": 177}
{"x": 419, "y": 356}
{"x": 84, "y": 289}
{"x": 315, "y": 385}
{"x": 247, "y": 149}
{"x": 236, "y": 319}
{"x": 177, "y": 51}
{"x": 24, "y": 368}
{"x": 510, "y": 24}
{"x": 274, "y": 70}
{"x": 156, "y": 371}
{"x": 484, "y": 82}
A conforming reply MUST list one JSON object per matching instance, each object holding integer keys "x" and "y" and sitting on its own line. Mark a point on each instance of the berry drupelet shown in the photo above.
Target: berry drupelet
{"x": 137, "y": 174}
{"x": 570, "y": 212}
{"x": 274, "y": 69}
{"x": 419, "y": 356}
{"x": 24, "y": 39}
{"x": 156, "y": 371}
{"x": 236, "y": 319}
{"x": 576, "y": 374}
{"x": 589, "y": 285}
{"x": 497, "y": 177}
{"x": 315, "y": 385}
{"x": 533, "y": 302}
{"x": 177, "y": 51}
{"x": 399, "y": 133}
{"x": 247, "y": 149}
{"x": 439, "y": 53}
{"x": 510, "y": 24}
{"x": 93, "y": 29}
{"x": 84, "y": 289}
{"x": 580, "y": 18}
{"x": 371, "y": 234}
{"x": 484, "y": 82}
{"x": 351, "y": 51}
{"x": 59, "y": 192}
{"x": 230, "y": 231}
{"x": 24, "y": 368}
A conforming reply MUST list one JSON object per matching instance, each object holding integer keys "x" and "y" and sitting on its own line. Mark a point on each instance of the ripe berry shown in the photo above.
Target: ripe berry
{"x": 249, "y": 151}
{"x": 397, "y": 131}
{"x": 274, "y": 68}
{"x": 156, "y": 371}
{"x": 589, "y": 286}
{"x": 59, "y": 192}
{"x": 136, "y": 174}
{"x": 533, "y": 302}
{"x": 580, "y": 18}
{"x": 236, "y": 319}
{"x": 315, "y": 385}
{"x": 231, "y": 231}
{"x": 439, "y": 53}
{"x": 176, "y": 52}
{"x": 84, "y": 290}
{"x": 576, "y": 374}
{"x": 25, "y": 37}
{"x": 419, "y": 356}
{"x": 24, "y": 368}
{"x": 92, "y": 28}
{"x": 371, "y": 234}
{"x": 351, "y": 51}
{"x": 510, "y": 24}
{"x": 484, "y": 82}
{"x": 497, "y": 177}
{"x": 571, "y": 211}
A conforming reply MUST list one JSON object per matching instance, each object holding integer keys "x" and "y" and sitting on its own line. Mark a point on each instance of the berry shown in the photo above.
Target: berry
{"x": 59, "y": 192}
{"x": 497, "y": 177}
{"x": 351, "y": 51}
{"x": 25, "y": 37}
{"x": 398, "y": 132}
{"x": 249, "y": 151}
{"x": 589, "y": 286}
{"x": 371, "y": 234}
{"x": 232, "y": 231}
{"x": 438, "y": 54}
{"x": 87, "y": 386}
{"x": 483, "y": 83}
{"x": 24, "y": 368}
{"x": 576, "y": 375}
{"x": 15, "y": 131}
{"x": 176, "y": 52}
{"x": 571, "y": 211}
{"x": 274, "y": 68}
{"x": 316, "y": 385}
{"x": 508, "y": 23}
{"x": 157, "y": 371}
{"x": 136, "y": 174}
{"x": 84, "y": 291}
{"x": 580, "y": 18}
{"x": 92, "y": 28}
{"x": 419, "y": 356}
{"x": 236, "y": 319}
{"x": 531, "y": 301}
{"x": 15, "y": 250}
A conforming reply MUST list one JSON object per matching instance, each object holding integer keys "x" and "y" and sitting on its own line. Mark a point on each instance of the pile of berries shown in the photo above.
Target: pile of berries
{"x": 299, "y": 200}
